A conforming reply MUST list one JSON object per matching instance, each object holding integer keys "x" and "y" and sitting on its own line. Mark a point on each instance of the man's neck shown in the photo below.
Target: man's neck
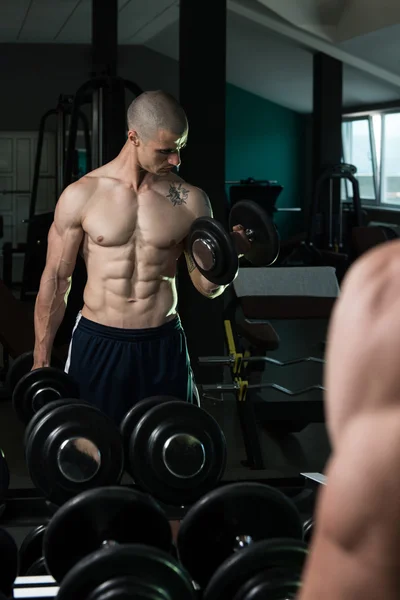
{"x": 125, "y": 166}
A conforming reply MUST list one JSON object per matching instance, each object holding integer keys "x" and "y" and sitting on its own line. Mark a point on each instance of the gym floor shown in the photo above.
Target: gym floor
{"x": 299, "y": 452}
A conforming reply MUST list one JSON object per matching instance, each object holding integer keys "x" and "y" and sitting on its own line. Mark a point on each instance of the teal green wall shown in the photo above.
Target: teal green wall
{"x": 266, "y": 141}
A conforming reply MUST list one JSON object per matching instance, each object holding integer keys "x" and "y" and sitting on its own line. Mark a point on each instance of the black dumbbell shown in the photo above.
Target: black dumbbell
{"x": 241, "y": 541}
{"x": 21, "y": 366}
{"x": 4, "y": 480}
{"x": 9, "y": 563}
{"x": 71, "y": 446}
{"x": 113, "y": 542}
{"x": 31, "y": 559}
{"x": 31, "y": 390}
{"x": 174, "y": 450}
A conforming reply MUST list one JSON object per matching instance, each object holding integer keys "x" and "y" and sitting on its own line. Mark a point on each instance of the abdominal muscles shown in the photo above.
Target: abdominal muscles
{"x": 131, "y": 285}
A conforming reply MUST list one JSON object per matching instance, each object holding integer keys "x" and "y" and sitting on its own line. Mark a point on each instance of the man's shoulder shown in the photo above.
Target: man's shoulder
{"x": 180, "y": 191}
{"x": 89, "y": 183}
{"x": 172, "y": 179}
{"x": 76, "y": 196}
{"x": 82, "y": 187}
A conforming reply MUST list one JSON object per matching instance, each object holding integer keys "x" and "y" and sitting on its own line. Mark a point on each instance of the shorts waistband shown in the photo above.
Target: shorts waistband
{"x": 129, "y": 335}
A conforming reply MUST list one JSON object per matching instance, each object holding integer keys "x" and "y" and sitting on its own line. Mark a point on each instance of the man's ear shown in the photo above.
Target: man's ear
{"x": 133, "y": 137}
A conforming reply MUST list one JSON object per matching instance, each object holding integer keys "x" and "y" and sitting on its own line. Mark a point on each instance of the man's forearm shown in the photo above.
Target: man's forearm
{"x": 205, "y": 287}
{"x": 208, "y": 289}
{"x": 49, "y": 313}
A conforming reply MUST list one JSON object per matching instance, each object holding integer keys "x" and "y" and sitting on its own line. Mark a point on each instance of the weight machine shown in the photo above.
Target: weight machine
{"x": 328, "y": 240}
{"x": 262, "y": 191}
{"x": 299, "y": 293}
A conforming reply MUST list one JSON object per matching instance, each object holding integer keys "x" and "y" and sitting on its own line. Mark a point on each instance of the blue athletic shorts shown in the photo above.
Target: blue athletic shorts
{"x": 116, "y": 368}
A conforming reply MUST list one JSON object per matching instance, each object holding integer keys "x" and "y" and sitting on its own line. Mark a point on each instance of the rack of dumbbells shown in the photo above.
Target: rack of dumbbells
{"x": 175, "y": 530}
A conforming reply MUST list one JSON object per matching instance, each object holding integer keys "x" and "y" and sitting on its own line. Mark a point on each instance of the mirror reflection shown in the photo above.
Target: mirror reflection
{"x": 79, "y": 459}
{"x": 261, "y": 129}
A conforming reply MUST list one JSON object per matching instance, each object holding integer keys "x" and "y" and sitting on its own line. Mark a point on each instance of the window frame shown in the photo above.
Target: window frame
{"x": 365, "y": 201}
{"x": 379, "y": 177}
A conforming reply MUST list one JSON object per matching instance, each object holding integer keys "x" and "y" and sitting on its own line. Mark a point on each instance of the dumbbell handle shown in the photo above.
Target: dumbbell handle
{"x": 242, "y": 541}
{"x": 108, "y": 543}
{"x": 241, "y": 240}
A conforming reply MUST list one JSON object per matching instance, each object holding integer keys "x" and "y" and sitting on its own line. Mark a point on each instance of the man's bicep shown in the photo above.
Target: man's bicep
{"x": 354, "y": 534}
{"x": 201, "y": 205}
{"x": 62, "y": 250}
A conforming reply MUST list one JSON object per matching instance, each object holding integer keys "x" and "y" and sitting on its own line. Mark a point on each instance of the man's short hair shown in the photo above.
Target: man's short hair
{"x": 152, "y": 111}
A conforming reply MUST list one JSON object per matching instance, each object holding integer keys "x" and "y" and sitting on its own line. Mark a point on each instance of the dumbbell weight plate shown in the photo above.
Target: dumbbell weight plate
{"x": 223, "y": 256}
{"x": 177, "y": 452}
{"x": 40, "y": 387}
{"x": 31, "y": 552}
{"x": 265, "y": 244}
{"x": 37, "y": 568}
{"x": 139, "y": 572}
{"x": 138, "y": 411}
{"x": 8, "y": 561}
{"x": 278, "y": 561}
{"x": 271, "y": 585}
{"x": 72, "y": 448}
{"x": 43, "y": 411}
{"x": 21, "y": 366}
{"x": 117, "y": 514}
{"x": 229, "y": 516}
{"x": 4, "y": 479}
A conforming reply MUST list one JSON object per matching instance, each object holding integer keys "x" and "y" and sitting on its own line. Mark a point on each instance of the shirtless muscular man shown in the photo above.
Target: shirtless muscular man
{"x": 356, "y": 539}
{"x": 129, "y": 218}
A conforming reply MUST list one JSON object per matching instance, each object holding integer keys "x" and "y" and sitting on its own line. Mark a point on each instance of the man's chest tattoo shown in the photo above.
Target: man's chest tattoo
{"x": 177, "y": 194}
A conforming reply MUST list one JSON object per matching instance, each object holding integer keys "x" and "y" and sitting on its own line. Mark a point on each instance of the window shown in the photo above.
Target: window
{"x": 358, "y": 151}
{"x": 372, "y": 144}
{"x": 390, "y": 169}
